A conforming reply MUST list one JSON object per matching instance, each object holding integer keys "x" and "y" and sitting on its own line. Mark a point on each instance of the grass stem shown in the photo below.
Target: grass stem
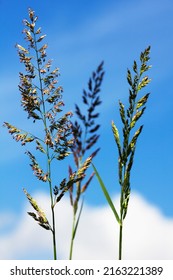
{"x": 120, "y": 240}
{"x": 72, "y": 237}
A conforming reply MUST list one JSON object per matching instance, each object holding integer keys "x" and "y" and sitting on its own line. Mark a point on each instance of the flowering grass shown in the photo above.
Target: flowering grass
{"x": 85, "y": 132}
{"x": 126, "y": 144}
{"x": 41, "y": 98}
{"x": 62, "y": 136}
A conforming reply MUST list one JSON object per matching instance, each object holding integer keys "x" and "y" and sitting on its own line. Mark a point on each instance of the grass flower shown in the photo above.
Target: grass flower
{"x": 41, "y": 98}
{"x": 127, "y": 145}
{"x": 85, "y": 132}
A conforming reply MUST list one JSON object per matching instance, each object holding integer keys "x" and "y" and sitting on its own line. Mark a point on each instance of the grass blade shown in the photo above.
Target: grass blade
{"x": 108, "y": 198}
{"x": 77, "y": 222}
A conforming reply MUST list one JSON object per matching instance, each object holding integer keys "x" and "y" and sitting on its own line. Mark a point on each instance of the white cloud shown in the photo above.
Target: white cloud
{"x": 147, "y": 234}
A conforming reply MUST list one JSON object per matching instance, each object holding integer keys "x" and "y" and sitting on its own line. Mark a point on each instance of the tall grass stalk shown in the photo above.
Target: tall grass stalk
{"x": 41, "y": 98}
{"x": 127, "y": 146}
{"x": 85, "y": 132}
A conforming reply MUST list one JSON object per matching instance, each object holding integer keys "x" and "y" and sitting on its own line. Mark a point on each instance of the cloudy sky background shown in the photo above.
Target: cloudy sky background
{"x": 81, "y": 34}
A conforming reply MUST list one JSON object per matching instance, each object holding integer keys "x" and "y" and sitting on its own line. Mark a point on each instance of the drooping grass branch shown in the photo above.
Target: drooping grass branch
{"x": 41, "y": 98}
{"x": 127, "y": 146}
{"x": 85, "y": 132}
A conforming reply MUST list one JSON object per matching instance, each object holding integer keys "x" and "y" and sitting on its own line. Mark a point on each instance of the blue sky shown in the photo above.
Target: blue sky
{"x": 81, "y": 34}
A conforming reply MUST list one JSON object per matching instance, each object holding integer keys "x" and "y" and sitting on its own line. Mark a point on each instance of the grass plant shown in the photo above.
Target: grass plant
{"x": 41, "y": 98}
{"x": 85, "y": 132}
{"x": 126, "y": 143}
{"x": 59, "y": 136}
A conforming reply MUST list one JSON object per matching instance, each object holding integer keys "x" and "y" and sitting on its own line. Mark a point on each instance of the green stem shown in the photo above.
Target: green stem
{"x": 52, "y": 208}
{"x": 75, "y": 224}
{"x": 75, "y": 207}
{"x": 47, "y": 152}
{"x": 54, "y": 236}
{"x": 120, "y": 240}
{"x": 72, "y": 237}
{"x": 121, "y": 225}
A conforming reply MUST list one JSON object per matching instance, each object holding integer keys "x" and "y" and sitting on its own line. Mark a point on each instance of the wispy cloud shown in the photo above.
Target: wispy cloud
{"x": 114, "y": 18}
{"x": 147, "y": 234}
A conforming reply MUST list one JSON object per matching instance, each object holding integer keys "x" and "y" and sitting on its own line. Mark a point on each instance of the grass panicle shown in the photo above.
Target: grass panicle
{"x": 85, "y": 132}
{"x": 127, "y": 145}
{"x": 41, "y": 98}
